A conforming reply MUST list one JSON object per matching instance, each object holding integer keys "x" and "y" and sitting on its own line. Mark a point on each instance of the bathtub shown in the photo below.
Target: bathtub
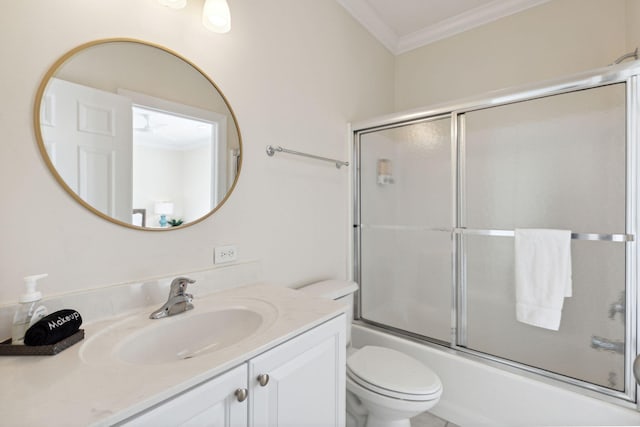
{"x": 476, "y": 394}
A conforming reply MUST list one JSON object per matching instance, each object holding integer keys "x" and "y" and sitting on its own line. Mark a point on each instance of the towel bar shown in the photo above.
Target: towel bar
{"x": 271, "y": 150}
{"x": 500, "y": 233}
{"x": 574, "y": 236}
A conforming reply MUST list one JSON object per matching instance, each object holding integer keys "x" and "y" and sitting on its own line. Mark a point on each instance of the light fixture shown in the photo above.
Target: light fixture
{"x": 215, "y": 13}
{"x": 163, "y": 209}
{"x": 173, "y": 4}
{"x": 216, "y": 16}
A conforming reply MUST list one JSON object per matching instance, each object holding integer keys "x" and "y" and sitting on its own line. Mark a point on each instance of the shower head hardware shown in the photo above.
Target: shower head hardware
{"x": 605, "y": 344}
{"x": 633, "y": 55}
{"x": 618, "y": 307}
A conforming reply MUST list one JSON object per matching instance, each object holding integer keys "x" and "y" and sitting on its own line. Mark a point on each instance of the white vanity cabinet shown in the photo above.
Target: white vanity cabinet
{"x": 213, "y": 403}
{"x": 301, "y": 383}
{"x": 298, "y": 383}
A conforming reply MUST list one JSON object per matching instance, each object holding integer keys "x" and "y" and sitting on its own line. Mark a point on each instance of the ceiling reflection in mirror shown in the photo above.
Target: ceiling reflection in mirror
{"x": 137, "y": 134}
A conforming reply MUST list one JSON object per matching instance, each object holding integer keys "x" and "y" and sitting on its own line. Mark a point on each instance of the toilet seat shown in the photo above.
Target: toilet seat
{"x": 393, "y": 374}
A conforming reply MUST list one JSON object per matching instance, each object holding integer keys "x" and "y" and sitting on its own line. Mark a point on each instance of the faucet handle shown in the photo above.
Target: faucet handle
{"x": 179, "y": 285}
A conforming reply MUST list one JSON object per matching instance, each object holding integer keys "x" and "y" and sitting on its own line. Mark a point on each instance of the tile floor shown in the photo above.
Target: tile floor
{"x": 429, "y": 420}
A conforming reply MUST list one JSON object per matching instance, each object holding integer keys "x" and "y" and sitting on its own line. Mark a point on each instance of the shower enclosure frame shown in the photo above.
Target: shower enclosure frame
{"x": 623, "y": 73}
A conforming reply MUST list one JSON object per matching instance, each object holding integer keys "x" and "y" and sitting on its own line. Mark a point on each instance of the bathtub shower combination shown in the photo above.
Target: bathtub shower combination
{"x": 439, "y": 193}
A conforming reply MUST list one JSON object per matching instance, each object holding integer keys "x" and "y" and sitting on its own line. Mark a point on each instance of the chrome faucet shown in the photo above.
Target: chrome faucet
{"x": 179, "y": 300}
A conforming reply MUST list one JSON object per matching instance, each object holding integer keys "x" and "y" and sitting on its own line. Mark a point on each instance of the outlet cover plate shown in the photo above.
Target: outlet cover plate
{"x": 223, "y": 254}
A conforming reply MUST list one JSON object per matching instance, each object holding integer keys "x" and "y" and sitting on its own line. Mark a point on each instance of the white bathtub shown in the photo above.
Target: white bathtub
{"x": 476, "y": 394}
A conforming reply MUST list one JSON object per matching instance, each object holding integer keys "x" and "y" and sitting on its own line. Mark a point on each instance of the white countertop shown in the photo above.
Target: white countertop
{"x": 79, "y": 387}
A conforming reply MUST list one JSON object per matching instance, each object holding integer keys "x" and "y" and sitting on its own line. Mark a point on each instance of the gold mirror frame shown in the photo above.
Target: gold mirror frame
{"x": 45, "y": 155}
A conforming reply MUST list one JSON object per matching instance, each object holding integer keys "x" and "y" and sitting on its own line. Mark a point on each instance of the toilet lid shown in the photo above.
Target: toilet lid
{"x": 391, "y": 370}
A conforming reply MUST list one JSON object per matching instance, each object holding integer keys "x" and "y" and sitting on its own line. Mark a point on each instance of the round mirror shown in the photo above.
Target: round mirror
{"x": 138, "y": 134}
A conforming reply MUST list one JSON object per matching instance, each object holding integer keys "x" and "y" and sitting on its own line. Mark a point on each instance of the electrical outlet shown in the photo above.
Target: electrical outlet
{"x": 223, "y": 254}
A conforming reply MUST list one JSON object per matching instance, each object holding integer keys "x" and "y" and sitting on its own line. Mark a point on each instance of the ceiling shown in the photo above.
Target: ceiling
{"x": 166, "y": 131}
{"x": 403, "y": 25}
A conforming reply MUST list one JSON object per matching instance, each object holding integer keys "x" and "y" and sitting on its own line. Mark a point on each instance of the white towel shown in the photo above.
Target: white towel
{"x": 543, "y": 275}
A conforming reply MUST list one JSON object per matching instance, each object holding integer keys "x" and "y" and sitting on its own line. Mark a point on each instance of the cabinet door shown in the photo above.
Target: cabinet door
{"x": 211, "y": 404}
{"x": 306, "y": 385}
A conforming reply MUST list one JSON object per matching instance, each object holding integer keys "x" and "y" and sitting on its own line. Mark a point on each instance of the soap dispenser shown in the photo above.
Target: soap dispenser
{"x": 29, "y": 311}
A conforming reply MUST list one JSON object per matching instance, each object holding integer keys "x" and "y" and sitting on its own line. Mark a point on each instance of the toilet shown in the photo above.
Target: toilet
{"x": 385, "y": 387}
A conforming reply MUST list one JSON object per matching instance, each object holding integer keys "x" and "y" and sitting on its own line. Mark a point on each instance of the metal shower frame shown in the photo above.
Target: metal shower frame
{"x": 623, "y": 73}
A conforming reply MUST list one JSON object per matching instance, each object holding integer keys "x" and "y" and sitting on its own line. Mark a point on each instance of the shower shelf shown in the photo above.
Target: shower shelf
{"x": 501, "y": 233}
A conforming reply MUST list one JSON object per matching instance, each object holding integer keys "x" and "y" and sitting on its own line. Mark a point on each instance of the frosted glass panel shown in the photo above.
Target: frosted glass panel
{"x": 420, "y": 161}
{"x": 549, "y": 163}
{"x": 405, "y": 261}
{"x": 556, "y": 162}
{"x": 598, "y": 281}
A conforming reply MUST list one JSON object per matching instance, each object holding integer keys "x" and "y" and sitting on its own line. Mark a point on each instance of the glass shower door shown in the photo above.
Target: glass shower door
{"x": 405, "y": 224}
{"x": 556, "y": 163}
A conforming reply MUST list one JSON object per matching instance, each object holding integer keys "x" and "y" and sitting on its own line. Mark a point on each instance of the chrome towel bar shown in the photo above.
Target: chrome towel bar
{"x": 271, "y": 150}
{"x": 574, "y": 236}
{"x": 501, "y": 233}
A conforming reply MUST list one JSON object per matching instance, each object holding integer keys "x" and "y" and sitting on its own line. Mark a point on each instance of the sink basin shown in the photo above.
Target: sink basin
{"x": 208, "y": 328}
{"x": 188, "y": 337}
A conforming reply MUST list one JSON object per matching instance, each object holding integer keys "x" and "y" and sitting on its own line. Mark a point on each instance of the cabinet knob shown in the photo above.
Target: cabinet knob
{"x": 263, "y": 379}
{"x": 241, "y": 394}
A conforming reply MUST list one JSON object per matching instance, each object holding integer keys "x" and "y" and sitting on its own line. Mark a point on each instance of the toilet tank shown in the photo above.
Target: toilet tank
{"x": 338, "y": 290}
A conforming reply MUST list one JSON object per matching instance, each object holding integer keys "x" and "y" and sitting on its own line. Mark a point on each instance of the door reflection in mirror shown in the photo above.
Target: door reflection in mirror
{"x": 88, "y": 138}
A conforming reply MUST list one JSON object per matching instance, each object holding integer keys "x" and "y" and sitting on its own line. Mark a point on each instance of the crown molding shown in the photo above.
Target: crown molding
{"x": 468, "y": 20}
{"x": 369, "y": 19}
{"x": 463, "y": 22}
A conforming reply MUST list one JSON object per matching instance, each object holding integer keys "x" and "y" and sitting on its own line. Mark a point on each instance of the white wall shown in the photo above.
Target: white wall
{"x": 632, "y": 18}
{"x": 295, "y": 72}
{"x": 129, "y": 64}
{"x": 552, "y": 40}
{"x": 158, "y": 175}
{"x": 197, "y": 186}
